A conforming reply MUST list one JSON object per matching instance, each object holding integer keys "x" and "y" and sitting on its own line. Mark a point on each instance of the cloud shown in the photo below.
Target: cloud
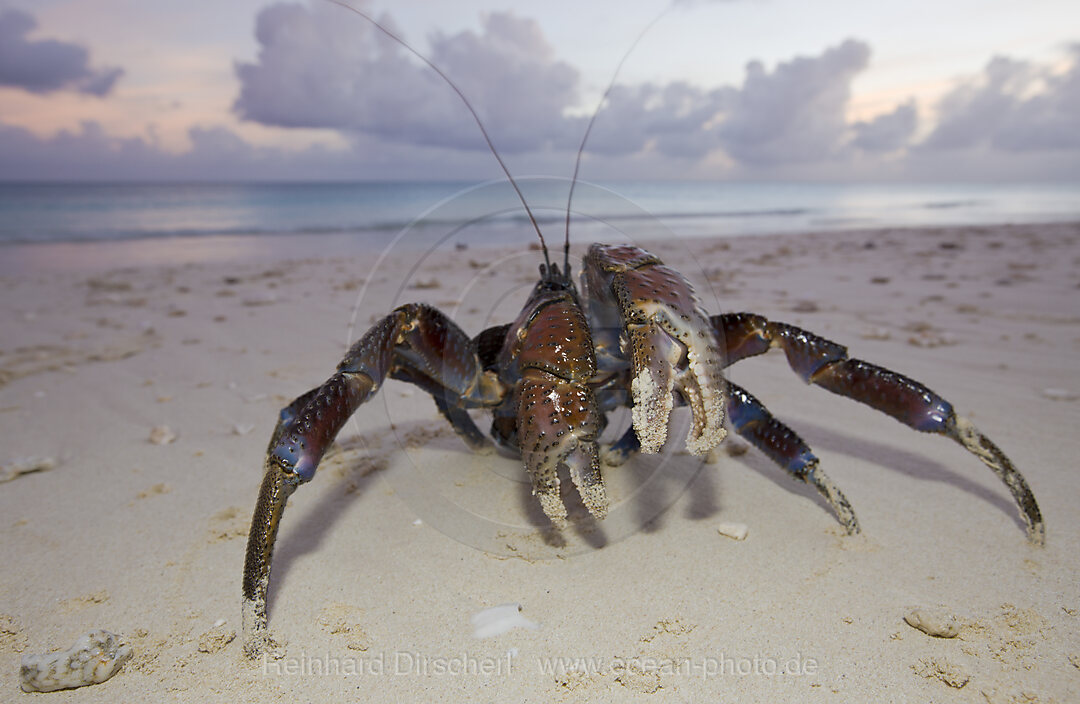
{"x": 972, "y": 112}
{"x": 217, "y": 153}
{"x": 86, "y": 154}
{"x": 322, "y": 67}
{"x": 796, "y": 112}
{"x": 47, "y": 65}
{"x": 889, "y": 132}
{"x": 673, "y": 119}
{"x": 90, "y": 153}
{"x": 1013, "y": 106}
{"x": 792, "y": 114}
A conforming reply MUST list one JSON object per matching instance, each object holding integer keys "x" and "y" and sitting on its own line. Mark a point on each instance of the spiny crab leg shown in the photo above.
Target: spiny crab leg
{"x": 671, "y": 343}
{"x": 277, "y": 487}
{"x": 826, "y": 364}
{"x": 753, "y": 422}
{"x": 415, "y": 343}
{"x": 304, "y": 431}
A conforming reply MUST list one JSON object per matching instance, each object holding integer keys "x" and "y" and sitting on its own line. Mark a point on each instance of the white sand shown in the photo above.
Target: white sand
{"x": 147, "y": 540}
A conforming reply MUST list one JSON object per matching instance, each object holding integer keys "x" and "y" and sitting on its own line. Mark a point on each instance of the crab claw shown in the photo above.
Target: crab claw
{"x": 671, "y": 343}
{"x": 559, "y": 426}
{"x": 557, "y": 417}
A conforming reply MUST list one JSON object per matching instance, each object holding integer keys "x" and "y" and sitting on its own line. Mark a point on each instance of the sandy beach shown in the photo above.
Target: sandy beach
{"x": 142, "y": 532}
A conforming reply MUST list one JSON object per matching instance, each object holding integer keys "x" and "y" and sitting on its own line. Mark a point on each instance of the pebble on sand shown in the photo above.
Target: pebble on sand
{"x": 735, "y": 531}
{"x": 162, "y": 435}
{"x": 25, "y": 465}
{"x": 933, "y": 622}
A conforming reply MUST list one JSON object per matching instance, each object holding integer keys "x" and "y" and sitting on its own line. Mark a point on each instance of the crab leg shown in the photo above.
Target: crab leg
{"x": 415, "y": 343}
{"x": 783, "y": 446}
{"x": 449, "y": 405}
{"x": 751, "y": 420}
{"x": 669, "y": 340}
{"x": 616, "y": 454}
{"x": 826, "y": 364}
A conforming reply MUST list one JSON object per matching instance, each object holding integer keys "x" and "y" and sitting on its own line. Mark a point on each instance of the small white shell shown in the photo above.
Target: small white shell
{"x": 500, "y": 619}
{"x": 94, "y": 658}
{"x": 735, "y": 531}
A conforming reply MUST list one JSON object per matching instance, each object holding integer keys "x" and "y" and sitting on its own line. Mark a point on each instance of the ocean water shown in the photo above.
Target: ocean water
{"x": 377, "y": 212}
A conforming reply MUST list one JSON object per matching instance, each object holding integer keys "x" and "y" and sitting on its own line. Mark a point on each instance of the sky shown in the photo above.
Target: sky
{"x": 828, "y": 90}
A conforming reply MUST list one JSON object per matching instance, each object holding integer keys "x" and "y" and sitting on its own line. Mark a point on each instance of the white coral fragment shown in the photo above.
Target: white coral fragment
{"x": 735, "y": 531}
{"x": 500, "y": 619}
{"x": 933, "y": 622}
{"x": 25, "y": 465}
{"x": 94, "y": 658}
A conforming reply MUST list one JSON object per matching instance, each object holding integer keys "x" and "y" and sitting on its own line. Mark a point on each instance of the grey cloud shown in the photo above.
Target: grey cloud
{"x": 322, "y": 67}
{"x": 972, "y": 112}
{"x": 1047, "y": 119}
{"x": 1014, "y": 106}
{"x": 792, "y": 114}
{"x": 47, "y": 65}
{"x": 86, "y": 154}
{"x": 888, "y": 132}
{"x": 673, "y": 119}
{"x": 318, "y": 67}
{"x": 89, "y": 153}
{"x": 101, "y": 82}
{"x": 796, "y": 112}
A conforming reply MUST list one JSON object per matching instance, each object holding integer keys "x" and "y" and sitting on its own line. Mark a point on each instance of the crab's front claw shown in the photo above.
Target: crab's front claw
{"x": 558, "y": 426}
{"x": 669, "y": 340}
{"x": 557, "y": 416}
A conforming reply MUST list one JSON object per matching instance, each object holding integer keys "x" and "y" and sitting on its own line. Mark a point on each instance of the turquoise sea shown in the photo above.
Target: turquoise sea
{"x": 372, "y": 211}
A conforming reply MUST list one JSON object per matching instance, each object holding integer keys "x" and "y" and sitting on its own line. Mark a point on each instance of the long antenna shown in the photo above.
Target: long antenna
{"x": 460, "y": 94}
{"x": 588, "y": 128}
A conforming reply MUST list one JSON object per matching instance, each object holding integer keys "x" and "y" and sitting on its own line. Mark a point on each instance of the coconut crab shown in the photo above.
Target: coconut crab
{"x": 633, "y": 334}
